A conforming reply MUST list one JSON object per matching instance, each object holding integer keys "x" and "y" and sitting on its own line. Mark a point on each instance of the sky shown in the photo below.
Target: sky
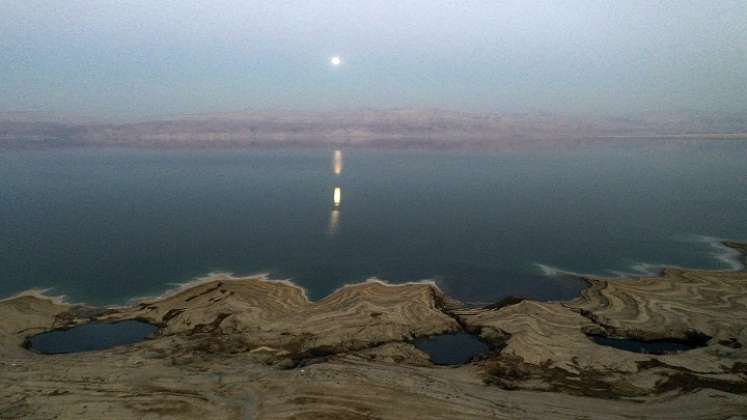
{"x": 131, "y": 58}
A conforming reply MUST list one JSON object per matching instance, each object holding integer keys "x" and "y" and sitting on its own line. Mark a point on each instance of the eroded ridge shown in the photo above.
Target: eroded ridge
{"x": 547, "y": 345}
{"x": 679, "y": 304}
{"x": 274, "y": 318}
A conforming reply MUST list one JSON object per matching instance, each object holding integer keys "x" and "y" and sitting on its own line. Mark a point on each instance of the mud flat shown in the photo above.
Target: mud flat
{"x": 239, "y": 348}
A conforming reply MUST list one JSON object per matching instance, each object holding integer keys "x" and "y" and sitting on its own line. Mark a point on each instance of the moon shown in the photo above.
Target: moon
{"x": 335, "y": 61}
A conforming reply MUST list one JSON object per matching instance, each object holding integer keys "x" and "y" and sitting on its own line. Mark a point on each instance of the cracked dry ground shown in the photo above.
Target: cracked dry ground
{"x": 258, "y": 349}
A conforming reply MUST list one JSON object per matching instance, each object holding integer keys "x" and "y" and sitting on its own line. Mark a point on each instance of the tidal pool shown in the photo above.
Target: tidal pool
{"x": 90, "y": 337}
{"x": 452, "y": 349}
{"x": 648, "y": 347}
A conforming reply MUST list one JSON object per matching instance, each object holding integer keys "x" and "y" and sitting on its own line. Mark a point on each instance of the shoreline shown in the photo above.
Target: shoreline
{"x": 349, "y": 355}
{"x": 730, "y": 256}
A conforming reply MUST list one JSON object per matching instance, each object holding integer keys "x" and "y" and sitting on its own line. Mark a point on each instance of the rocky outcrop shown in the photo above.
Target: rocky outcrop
{"x": 679, "y": 304}
{"x": 547, "y": 345}
{"x": 275, "y": 317}
{"x": 25, "y": 315}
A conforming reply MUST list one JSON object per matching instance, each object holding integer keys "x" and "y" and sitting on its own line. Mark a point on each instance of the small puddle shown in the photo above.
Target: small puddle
{"x": 648, "y": 347}
{"x": 451, "y": 349}
{"x": 90, "y": 337}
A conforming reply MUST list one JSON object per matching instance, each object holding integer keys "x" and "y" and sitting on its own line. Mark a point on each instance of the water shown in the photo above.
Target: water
{"x": 648, "y": 347}
{"x": 90, "y": 337}
{"x": 452, "y": 349}
{"x": 106, "y": 225}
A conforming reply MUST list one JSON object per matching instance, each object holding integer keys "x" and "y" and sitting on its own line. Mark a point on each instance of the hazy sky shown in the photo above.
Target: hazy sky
{"x": 136, "y": 58}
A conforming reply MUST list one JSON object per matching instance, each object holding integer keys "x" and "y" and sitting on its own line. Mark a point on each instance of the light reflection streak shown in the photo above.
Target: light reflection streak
{"x": 334, "y": 215}
{"x": 334, "y": 222}
{"x": 337, "y": 197}
{"x": 337, "y": 162}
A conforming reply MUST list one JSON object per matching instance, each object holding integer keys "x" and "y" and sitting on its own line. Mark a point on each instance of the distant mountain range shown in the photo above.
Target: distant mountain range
{"x": 394, "y": 128}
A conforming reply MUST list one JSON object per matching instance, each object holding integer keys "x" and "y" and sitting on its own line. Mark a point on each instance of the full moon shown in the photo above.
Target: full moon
{"x": 335, "y": 61}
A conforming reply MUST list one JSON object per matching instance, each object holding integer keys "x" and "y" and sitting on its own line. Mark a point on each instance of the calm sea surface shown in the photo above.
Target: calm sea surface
{"x": 106, "y": 225}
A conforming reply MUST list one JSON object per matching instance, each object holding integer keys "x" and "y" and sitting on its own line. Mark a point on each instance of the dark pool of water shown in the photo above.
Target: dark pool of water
{"x": 452, "y": 349}
{"x": 92, "y": 336}
{"x": 648, "y": 347}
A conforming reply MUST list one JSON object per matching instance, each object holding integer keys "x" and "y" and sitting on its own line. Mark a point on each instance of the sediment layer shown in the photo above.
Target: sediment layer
{"x": 255, "y": 348}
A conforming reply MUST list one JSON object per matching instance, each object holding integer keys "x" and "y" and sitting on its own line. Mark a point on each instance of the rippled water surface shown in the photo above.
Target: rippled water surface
{"x": 106, "y": 225}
